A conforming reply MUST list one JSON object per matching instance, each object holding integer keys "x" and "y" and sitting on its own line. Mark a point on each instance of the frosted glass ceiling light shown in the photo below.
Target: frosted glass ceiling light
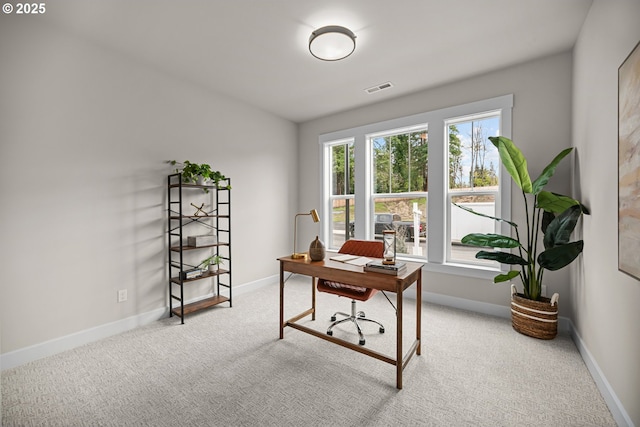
{"x": 332, "y": 43}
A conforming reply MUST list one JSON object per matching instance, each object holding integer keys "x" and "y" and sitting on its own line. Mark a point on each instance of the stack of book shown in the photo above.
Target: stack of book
{"x": 393, "y": 269}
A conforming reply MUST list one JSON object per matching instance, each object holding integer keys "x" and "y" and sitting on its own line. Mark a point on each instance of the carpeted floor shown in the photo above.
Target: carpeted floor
{"x": 227, "y": 367}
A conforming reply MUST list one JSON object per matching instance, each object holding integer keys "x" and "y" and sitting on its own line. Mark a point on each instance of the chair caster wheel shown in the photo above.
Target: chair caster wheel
{"x": 361, "y": 342}
{"x": 333, "y": 318}
{"x": 361, "y": 314}
{"x": 382, "y": 330}
{"x": 330, "y": 333}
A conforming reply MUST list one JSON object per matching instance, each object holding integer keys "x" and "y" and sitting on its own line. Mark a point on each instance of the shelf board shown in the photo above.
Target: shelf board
{"x": 214, "y": 187}
{"x": 190, "y": 248}
{"x": 205, "y": 275}
{"x": 177, "y": 217}
{"x": 185, "y": 185}
{"x": 199, "y": 305}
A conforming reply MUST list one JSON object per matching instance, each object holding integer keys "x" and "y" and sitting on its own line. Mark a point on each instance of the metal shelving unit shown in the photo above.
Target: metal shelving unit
{"x": 219, "y": 219}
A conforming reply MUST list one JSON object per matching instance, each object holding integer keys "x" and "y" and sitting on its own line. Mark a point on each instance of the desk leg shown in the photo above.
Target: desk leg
{"x": 281, "y": 301}
{"x": 313, "y": 298}
{"x": 399, "y": 338}
{"x": 419, "y": 314}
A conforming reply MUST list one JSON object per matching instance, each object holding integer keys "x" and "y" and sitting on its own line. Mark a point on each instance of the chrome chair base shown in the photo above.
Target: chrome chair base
{"x": 354, "y": 317}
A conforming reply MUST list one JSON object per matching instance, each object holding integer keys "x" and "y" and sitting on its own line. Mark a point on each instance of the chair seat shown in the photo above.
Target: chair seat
{"x": 346, "y": 290}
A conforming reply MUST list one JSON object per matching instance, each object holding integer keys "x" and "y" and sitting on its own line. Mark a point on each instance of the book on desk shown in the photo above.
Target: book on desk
{"x": 378, "y": 267}
{"x": 351, "y": 259}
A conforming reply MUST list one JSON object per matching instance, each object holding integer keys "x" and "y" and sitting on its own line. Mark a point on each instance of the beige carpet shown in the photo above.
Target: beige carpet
{"x": 227, "y": 367}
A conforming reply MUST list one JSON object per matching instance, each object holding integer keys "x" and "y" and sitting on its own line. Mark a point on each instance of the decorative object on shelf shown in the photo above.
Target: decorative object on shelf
{"x": 315, "y": 217}
{"x": 203, "y": 240}
{"x": 332, "y": 43}
{"x": 629, "y": 164}
{"x": 389, "y": 254}
{"x": 317, "y": 250}
{"x": 200, "y": 174}
{"x": 190, "y": 274}
{"x": 555, "y": 215}
{"x": 211, "y": 263}
{"x": 199, "y": 211}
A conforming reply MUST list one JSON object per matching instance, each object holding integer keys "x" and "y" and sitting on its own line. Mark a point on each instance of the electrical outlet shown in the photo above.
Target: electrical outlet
{"x": 543, "y": 291}
{"x": 122, "y": 295}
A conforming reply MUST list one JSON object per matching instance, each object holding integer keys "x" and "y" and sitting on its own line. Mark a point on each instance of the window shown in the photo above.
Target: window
{"x": 342, "y": 163}
{"x": 473, "y": 182}
{"x": 406, "y": 174}
{"x": 400, "y": 178}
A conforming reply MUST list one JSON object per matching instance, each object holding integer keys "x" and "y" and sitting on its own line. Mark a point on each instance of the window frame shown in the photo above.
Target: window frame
{"x": 347, "y": 197}
{"x": 453, "y": 193}
{"x": 438, "y": 208}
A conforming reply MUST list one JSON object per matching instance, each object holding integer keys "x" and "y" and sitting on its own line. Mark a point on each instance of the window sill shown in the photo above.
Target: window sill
{"x": 478, "y": 272}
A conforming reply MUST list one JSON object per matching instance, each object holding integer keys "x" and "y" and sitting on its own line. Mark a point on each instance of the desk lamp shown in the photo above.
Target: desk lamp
{"x": 316, "y": 218}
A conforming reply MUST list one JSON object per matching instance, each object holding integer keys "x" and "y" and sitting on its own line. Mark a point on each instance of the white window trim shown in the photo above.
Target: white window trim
{"x": 438, "y": 208}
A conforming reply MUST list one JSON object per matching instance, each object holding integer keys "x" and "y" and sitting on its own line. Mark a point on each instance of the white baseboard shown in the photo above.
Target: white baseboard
{"x": 257, "y": 284}
{"x": 615, "y": 406}
{"x": 49, "y": 348}
{"x": 68, "y": 342}
{"x": 483, "y": 307}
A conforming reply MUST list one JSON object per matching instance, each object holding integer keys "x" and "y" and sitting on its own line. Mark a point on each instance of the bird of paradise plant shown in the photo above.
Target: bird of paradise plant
{"x": 552, "y": 214}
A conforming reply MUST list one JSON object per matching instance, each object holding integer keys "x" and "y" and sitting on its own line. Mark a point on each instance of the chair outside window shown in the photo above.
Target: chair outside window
{"x": 366, "y": 248}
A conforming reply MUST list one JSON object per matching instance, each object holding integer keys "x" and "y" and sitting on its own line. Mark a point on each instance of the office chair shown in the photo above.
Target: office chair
{"x": 366, "y": 248}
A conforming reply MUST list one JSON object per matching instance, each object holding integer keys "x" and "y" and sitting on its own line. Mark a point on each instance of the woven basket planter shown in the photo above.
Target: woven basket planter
{"x": 538, "y": 319}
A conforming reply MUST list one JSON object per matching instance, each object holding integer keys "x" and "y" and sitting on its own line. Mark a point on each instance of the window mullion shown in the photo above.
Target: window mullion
{"x": 362, "y": 187}
{"x": 436, "y": 204}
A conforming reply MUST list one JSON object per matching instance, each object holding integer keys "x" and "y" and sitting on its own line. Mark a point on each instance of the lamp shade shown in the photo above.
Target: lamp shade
{"x": 332, "y": 43}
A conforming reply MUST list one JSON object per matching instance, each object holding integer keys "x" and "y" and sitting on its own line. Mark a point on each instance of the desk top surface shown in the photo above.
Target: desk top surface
{"x": 344, "y": 272}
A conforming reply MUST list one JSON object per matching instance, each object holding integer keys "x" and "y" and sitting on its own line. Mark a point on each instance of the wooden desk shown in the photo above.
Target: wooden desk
{"x": 347, "y": 273}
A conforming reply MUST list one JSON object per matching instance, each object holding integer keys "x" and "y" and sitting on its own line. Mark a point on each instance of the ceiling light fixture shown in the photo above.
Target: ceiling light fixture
{"x": 332, "y": 43}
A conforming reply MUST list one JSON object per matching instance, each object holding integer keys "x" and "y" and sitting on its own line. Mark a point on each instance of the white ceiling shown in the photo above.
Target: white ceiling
{"x": 257, "y": 50}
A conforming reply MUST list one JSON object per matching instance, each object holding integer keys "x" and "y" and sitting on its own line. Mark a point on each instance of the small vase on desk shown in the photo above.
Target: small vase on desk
{"x": 316, "y": 250}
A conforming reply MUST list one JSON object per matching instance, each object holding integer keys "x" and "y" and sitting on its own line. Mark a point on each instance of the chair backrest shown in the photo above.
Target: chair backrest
{"x": 366, "y": 248}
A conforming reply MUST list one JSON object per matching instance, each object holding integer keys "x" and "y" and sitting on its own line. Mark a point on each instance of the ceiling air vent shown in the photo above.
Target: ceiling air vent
{"x": 379, "y": 87}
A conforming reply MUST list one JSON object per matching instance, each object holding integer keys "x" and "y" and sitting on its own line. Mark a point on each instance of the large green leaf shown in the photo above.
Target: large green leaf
{"x": 547, "y": 217}
{"x": 560, "y": 256}
{"x": 559, "y": 230}
{"x": 505, "y": 277}
{"x": 513, "y": 224}
{"x": 513, "y": 161}
{"x": 502, "y": 257}
{"x": 556, "y": 203}
{"x": 490, "y": 240}
{"x": 548, "y": 172}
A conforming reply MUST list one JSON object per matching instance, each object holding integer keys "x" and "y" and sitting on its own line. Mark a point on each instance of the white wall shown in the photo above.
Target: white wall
{"x": 604, "y": 300}
{"x": 84, "y": 134}
{"x": 541, "y": 127}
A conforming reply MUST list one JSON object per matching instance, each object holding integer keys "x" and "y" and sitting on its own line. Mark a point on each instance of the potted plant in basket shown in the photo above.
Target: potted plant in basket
{"x": 201, "y": 174}
{"x": 553, "y": 215}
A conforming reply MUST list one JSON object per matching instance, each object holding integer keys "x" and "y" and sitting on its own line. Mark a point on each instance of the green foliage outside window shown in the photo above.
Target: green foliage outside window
{"x": 339, "y": 162}
{"x": 401, "y": 163}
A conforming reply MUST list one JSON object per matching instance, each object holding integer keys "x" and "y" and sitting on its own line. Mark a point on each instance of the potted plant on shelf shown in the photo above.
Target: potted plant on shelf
{"x": 201, "y": 174}
{"x": 211, "y": 263}
{"x": 553, "y": 215}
